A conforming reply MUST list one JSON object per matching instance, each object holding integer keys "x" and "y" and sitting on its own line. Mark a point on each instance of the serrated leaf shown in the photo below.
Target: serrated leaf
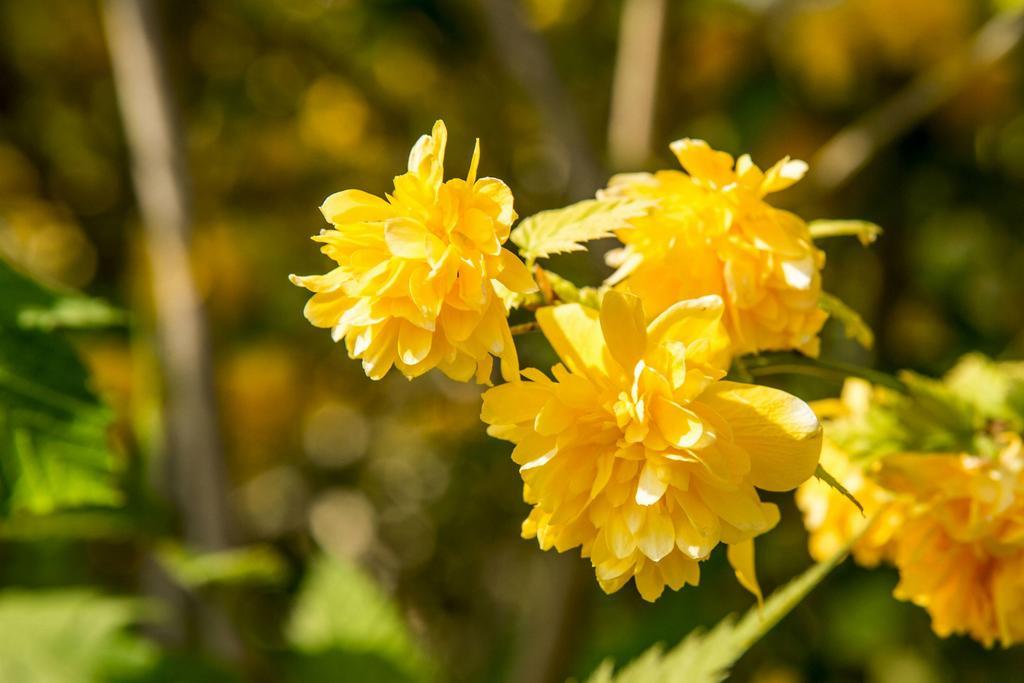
{"x": 853, "y": 324}
{"x": 344, "y": 627}
{"x": 565, "y": 230}
{"x": 864, "y": 231}
{"x": 825, "y": 476}
{"x": 706, "y": 657}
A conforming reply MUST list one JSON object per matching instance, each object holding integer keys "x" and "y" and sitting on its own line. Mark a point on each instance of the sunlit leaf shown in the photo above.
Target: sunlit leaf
{"x": 69, "y": 636}
{"x": 853, "y": 324}
{"x": 247, "y": 565}
{"x": 566, "y": 230}
{"x": 344, "y": 627}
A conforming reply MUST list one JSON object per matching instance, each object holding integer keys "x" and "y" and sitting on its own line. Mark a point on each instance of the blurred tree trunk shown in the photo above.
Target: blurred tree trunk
{"x": 192, "y": 447}
{"x": 635, "y": 88}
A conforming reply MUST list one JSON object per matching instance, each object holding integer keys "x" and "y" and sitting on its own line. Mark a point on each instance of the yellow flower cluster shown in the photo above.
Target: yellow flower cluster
{"x": 414, "y": 285}
{"x": 711, "y": 232}
{"x": 952, "y": 523}
{"x": 638, "y": 453}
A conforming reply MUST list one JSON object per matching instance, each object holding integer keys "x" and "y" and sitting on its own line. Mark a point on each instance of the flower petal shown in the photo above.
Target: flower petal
{"x": 624, "y": 328}
{"x": 575, "y": 333}
{"x": 514, "y": 274}
{"x": 651, "y": 487}
{"x": 353, "y": 206}
{"x": 741, "y": 557}
{"x": 779, "y": 431}
{"x": 406, "y": 238}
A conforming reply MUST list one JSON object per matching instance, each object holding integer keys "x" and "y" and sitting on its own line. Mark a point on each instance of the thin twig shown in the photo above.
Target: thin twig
{"x": 853, "y": 147}
{"x": 792, "y": 364}
{"x": 523, "y": 328}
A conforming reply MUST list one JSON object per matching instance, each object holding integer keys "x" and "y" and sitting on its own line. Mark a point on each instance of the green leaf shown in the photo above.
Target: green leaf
{"x": 53, "y": 430}
{"x": 259, "y": 564}
{"x": 29, "y": 305}
{"x": 565, "y": 230}
{"x": 706, "y": 657}
{"x": 825, "y": 476}
{"x": 863, "y": 230}
{"x": 54, "y": 449}
{"x": 69, "y": 636}
{"x": 995, "y": 389}
{"x": 853, "y": 324}
{"x": 344, "y": 627}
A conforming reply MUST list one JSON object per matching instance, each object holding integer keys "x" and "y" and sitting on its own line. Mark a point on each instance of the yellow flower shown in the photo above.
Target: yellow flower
{"x": 960, "y": 552}
{"x": 952, "y": 523}
{"x": 832, "y": 520}
{"x": 639, "y": 454}
{"x": 414, "y": 286}
{"x": 711, "y": 232}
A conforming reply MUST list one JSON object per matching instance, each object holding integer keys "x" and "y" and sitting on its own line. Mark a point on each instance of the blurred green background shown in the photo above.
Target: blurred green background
{"x": 282, "y": 102}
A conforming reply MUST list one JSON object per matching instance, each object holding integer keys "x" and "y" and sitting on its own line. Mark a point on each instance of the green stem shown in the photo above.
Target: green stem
{"x": 788, "y": 364}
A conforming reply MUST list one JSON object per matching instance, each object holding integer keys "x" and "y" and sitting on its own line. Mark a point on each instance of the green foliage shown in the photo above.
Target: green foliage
{"x": 248, "y": 565}
{"x": 344, "y": 627}
{"x": 853, "y": 324}
{"x": 69, "y": 636}
{"x": 28, "y": 305}
{"x": 996, "y": 390}
{"x": 707, "y": 657}
{"x": 864, "y": 231}
{"x": 961, "y": 413}
{"x": 53, "y": 430}
{"x": 565, "y": 230}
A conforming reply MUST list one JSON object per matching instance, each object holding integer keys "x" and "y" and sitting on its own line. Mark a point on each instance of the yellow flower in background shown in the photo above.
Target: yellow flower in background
{"x": 639, "y": 454}
{"x": 711, "y": 232}
{"x": 952, "y": 524}
{"x": 414, "y": 287}
{"x": 960, "y": 551}
{"x": 832, "y": 520}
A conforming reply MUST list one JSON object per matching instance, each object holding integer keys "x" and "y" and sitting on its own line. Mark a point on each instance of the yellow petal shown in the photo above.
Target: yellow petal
{"x": 575, "y": 333}
{"x": 704, "y": 163}
{"x": 741, "y": 557}
{"x": 514, "y": 274}
{"x": 680, "y": 427}
{"x": 426, "y": 160}
{"x": 657, "y": 538}
{"x": 351, "y": 206}
{"x": 651, "y": 486}
{"x": 406, "y": 238}
{"x": 413, "y": 343}
{"x": 783, "y": 174}
{"x": 624, "y": 328}
{"x": 513, "y": 402}
{"x": 688, "y": 320}
{"x": 474, "y": 163}
{"x": 779, "y": 431}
